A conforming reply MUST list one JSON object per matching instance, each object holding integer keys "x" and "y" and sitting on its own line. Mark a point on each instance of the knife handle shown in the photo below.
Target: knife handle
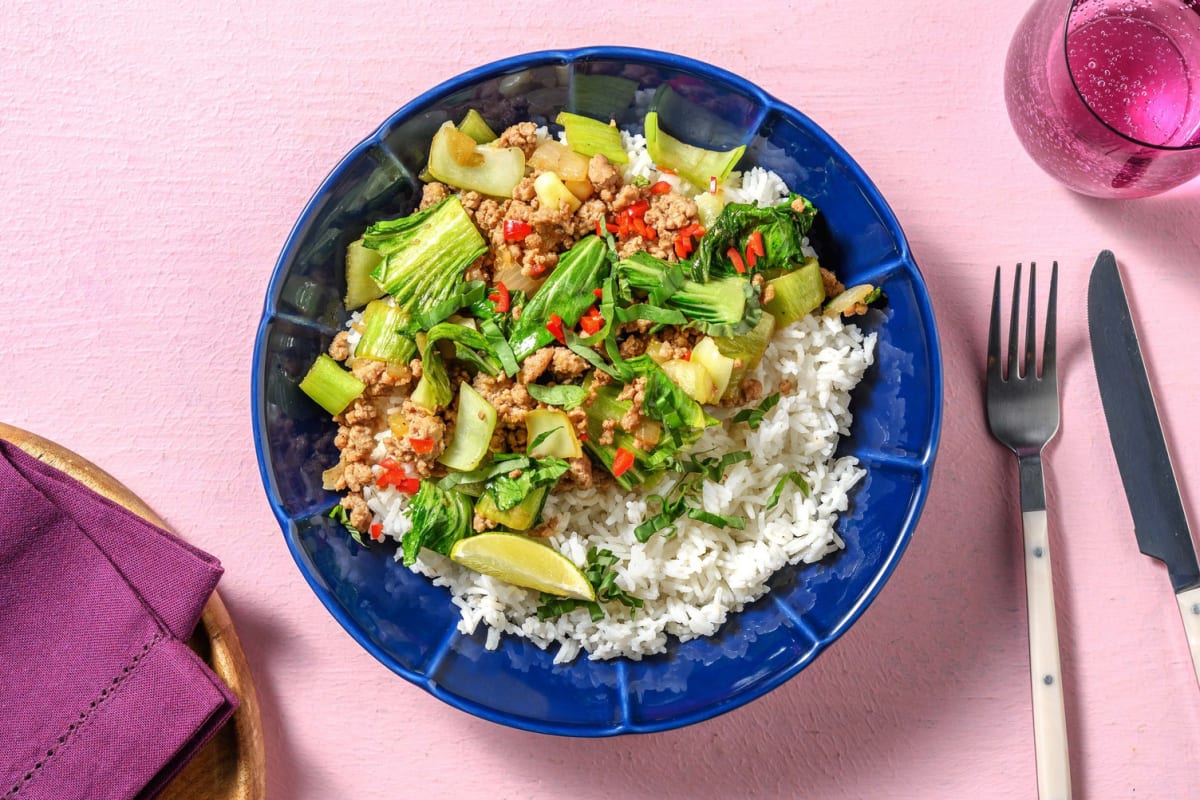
{"x": 1189, "y": 607}
{"x": 1049, "y": 712}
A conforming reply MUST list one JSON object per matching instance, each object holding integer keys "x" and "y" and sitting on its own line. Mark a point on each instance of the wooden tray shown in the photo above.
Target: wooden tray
{"x": 232, "y": 765}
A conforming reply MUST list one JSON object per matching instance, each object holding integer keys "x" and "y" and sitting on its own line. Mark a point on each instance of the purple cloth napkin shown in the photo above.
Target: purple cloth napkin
{"x": 99, "y": 696}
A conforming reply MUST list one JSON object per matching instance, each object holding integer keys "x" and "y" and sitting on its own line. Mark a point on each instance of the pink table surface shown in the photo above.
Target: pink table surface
{"x": 155, "y": 159}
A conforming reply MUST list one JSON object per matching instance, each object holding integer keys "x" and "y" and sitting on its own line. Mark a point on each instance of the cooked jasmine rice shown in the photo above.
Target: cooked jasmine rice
{"x": 692, "y": 581}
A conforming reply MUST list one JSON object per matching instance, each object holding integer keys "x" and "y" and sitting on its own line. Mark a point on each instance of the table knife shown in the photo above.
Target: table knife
{"x": 1159, "y": 520}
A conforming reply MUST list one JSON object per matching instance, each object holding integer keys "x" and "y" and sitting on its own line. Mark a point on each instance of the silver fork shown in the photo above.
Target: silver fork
{"x": 1022, "y": 411}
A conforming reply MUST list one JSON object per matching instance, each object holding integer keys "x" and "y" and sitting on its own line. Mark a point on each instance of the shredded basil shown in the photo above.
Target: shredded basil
{"x": 683, "y": 497}
{"x": 777, "y": 492}
{"x": 754, "y": 416}
{"x": 661, "y": 316}
{"x": 339, "y": 513}
{"x": 541, "y": 437}
{"x": 500, "y": 466}
{"x": 601, "y": 573}
{"x": 567, "y": 396}
{"x": 509, "y": 492}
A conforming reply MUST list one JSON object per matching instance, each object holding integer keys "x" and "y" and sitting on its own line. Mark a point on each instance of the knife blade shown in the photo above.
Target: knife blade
{"x": 1159, "y": 520}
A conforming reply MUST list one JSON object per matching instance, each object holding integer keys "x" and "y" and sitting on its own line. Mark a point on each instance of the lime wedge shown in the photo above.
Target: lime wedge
{"x": 522, "y": 561}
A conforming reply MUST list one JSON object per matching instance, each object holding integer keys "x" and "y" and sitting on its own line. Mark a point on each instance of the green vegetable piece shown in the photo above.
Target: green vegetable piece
{"x": 601, "y": 573}
{"x": 797, "y": 294}
{"x": 746, "y": 350}
{"x": 475, "y": 126}
{"x": 851, "y": 298}
{"x": 473, "y": 428}
{"x": 720, "y": 367}
{"x": 424, "y": 257}
{"x": 753, "y": 417}
{"x": 508, "y": 491}
{"x": 709, "y": 206}
{"x": 361, "y": 288}
{"x": 553, "y": 193}
{"x": 340, "y": 514}
{"x": 433, "y": 390}
{"x": 588, "y": 137}
{"x": 567, "y": 292}
{"x": 332, "y": 387}
{"x": 439, "y": 519}
{"x": 782, "y": 228}
{"x": 517, "y": 518}
{"x": 691, "y": 376}
{"x": 567, "y": 396}
{"x": 792, "y": 477}
{"x": 381, "y": 338}
{"x": 551, "y": 433}
{"x": 456, "y": 160}
{"x": 725, "y": 306}
{"x": 695, "y": 164}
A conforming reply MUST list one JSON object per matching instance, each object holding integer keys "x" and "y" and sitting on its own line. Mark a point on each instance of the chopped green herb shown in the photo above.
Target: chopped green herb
{"x": 641, "y": 180}
{"x": 777, "y": 492}
{"x": 501, "y": 464}
{"x": 541, "y": 437}
{"x": 754, "y": 416}
{"x": 508, "y": 491}
{"x": 683, "y": 497}
{"x": 566, "y": 396}
{"x": 601, "y": 573}
{"x": 341, "y": 514}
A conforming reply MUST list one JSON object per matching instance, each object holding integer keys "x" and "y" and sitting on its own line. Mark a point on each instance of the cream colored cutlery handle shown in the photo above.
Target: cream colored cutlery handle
{"x": 1189, "y": 607}
{"x": 1049, "y": 713}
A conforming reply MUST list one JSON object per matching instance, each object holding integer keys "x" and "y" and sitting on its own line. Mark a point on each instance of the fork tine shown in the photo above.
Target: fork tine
{"x": 1048, "y": 348}
{"x": 1014, "y": 319}
{"x": 1030, "y": 368}
{"x": 993, "y": 350}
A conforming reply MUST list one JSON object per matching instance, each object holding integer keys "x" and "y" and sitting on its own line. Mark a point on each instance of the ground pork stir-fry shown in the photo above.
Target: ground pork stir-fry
{"x": 525, "y": 242}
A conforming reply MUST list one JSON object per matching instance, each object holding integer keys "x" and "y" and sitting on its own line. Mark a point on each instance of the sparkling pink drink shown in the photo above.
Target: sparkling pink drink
{"x": 1105, "y": 94}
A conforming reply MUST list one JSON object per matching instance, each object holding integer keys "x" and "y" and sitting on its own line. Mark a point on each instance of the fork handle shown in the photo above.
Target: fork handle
{"x": 1049, "y": 713}
{"x": 1189, "y": 607}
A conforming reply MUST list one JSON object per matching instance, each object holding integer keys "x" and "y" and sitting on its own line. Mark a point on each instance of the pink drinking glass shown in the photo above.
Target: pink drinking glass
{"x": 1105, "y": 94}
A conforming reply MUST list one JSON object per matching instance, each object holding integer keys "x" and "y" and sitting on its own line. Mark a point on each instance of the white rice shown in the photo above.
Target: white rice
{"x": 690, "y": 582}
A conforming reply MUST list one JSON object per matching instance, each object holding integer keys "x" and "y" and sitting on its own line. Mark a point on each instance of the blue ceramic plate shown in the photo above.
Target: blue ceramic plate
{"x": 409, "y": 624}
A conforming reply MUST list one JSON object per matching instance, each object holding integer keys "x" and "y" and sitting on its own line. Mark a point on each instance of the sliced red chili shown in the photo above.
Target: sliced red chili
{"x": 583, "y": 437}
{"x": 756, "y": 244}
{"x": 666, "y": 170}
{"x": 736, "y": 258}
{"x": 694, "y": 229}
{"x": 501, "y": 297}
{"x": 638, "y": 209}
{"x": 409, "y": 485}
{"x": 622, "y": 461}
{"x": 751, "y": 258}
{"x": 598, "y": 292}
{"x": 683, "y": 245}
{"x": 555, "y": 326}
{"x": 377, "y": 531}
{"x": 600, "y": 228}
{"x": 421, "y": 446}
{"x": 591, "y": 321}
{"x": 662, "y": 187}
{"x": 536, "y": 270}
{"x": 515, "y": 230}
